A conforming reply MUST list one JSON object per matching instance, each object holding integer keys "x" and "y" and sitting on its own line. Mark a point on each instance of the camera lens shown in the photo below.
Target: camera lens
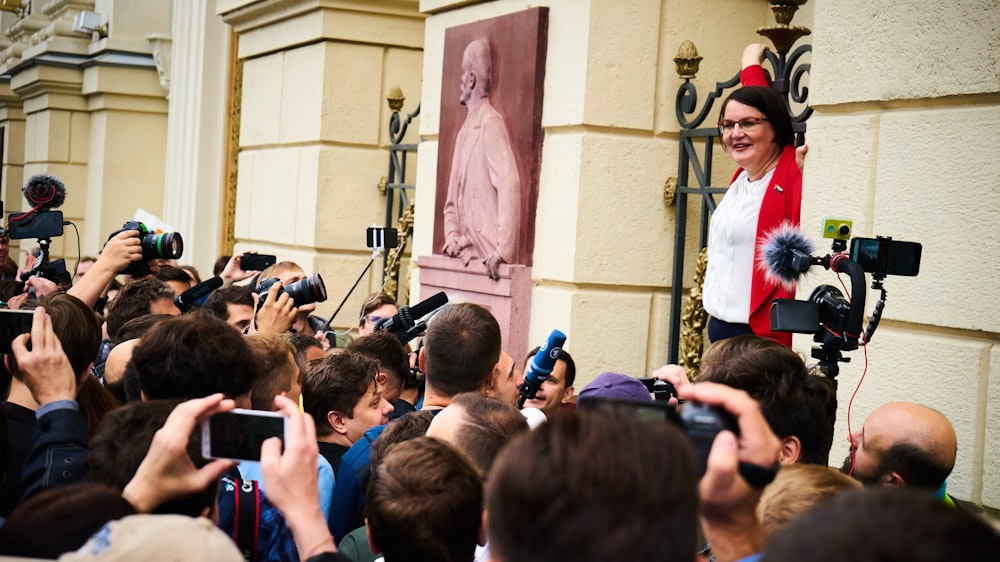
{"x": 844, "y": 230}
{"x": 307, "y": 291}
{"x": 168, "y": 245}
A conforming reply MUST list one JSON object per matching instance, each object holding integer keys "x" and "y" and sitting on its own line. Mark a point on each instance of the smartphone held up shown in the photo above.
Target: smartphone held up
{"x": 237, "y": 435}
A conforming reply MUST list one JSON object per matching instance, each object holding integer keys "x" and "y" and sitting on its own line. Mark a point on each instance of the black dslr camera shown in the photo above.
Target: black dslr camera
{"x": 835, "y": 320}
{"x": 165, "y": 245}
{"x": 701, "y": 423}
{"x": 302, "y": 292}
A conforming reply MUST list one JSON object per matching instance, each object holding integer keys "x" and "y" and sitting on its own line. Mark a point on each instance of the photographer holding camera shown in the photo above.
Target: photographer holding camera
{"x": 283, "y": 298}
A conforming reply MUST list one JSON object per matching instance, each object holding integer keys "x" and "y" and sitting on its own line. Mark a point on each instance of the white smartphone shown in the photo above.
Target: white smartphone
{"x": 237, "y": 435}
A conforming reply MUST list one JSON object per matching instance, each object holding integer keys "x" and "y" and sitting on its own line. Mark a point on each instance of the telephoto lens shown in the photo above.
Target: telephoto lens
{"x": 302, "y": 292}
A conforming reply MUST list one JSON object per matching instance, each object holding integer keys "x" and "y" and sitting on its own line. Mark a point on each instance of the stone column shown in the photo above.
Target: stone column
{"x": 197, "y": 77}
{"x": 314, "y": 129}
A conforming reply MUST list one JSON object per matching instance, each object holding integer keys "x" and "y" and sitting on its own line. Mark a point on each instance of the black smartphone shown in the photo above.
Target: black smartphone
{"x": 237, "y": 435}
{"x": 12, "y": 324}
{"x": 257, "y": 262}
{"x": 43, "y": 224}
{"x": 381, "y": 237}
{"x": 887, "y": 257}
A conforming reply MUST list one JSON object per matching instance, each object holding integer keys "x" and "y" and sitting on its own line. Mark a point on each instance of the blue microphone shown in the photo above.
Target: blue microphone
{"x": 541, "y": 366}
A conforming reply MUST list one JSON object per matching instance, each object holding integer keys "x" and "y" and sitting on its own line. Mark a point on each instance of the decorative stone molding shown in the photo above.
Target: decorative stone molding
{"x": 161, "y": 44}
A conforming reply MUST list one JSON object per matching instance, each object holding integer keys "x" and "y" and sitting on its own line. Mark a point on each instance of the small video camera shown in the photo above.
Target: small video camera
{"x": 837, "y": 229}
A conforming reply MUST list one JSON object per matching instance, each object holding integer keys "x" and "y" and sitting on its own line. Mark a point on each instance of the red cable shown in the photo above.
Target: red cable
{"x": 850, "y": 404}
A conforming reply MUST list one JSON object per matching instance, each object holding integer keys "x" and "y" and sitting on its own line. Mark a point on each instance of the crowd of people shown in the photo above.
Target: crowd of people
{"x": 406, "y": 452}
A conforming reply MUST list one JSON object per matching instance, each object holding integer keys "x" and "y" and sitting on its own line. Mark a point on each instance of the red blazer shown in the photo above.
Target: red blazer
{"x": 782, "y": 202}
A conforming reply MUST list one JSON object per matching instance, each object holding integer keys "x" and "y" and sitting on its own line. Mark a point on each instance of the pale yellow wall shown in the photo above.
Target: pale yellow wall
{"x": 604, "y": 237}
{"x": 902, "y": 142}
{"x": 313, "y": 131}
{"x": 907, "y": 96}
{"x": 100, "y": 129}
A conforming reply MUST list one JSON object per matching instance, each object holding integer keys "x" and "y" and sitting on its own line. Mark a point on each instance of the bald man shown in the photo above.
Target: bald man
{"x": 903, "y": 444}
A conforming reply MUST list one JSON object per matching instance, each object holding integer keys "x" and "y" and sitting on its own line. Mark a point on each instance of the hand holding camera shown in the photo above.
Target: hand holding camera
{"x": 152, "y": 246}
{"x": 276, "y": 309}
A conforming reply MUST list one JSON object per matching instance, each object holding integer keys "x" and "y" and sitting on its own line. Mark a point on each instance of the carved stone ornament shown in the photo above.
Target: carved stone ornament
{"x": 161, "y": 44}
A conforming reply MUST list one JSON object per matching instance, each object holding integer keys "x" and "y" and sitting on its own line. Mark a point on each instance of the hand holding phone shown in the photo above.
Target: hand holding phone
{"x": 12, "y": 324}
{"x": 167, "y": 472}
{"x": 237, "y": 435}
{"x": 257, "y": 262}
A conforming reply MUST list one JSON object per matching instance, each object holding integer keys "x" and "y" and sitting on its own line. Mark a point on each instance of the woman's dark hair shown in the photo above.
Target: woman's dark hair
{"x": 60, "y": 520}
{"x": 764, "y": 99}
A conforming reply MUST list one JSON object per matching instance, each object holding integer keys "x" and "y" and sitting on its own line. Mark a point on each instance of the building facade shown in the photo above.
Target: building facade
{"x": 263, "y": 124}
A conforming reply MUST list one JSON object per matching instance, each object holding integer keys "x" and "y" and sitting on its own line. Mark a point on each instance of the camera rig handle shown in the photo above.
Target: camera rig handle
{"x": 833, "y": 342}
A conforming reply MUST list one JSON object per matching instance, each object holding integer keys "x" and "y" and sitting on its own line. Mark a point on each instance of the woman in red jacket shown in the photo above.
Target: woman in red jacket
{"x": 765, "y": 193}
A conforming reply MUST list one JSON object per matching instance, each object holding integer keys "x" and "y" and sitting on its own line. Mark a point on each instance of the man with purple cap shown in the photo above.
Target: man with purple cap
{"x": 615, "y": 385}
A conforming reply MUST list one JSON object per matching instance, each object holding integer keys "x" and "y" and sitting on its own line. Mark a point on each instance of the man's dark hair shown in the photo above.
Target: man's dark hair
{"x": 335, "y": 384}
{"x": 918, "y": 467}
{"x": 138, "y": 326}
{"x": 425, "y": 503}
{"x": 123, "y": 441}
{"x": 408, "y": 427}
{"x": 566, "y": 358}
{"x": 461, "y": 348}
{"x": 193, "y": 356}
{"x": 76, "y": 326}
{"x": 793, "y": 401}
{"x": 490, "y": 423}
{"x": 766, "y": 101}
{"x": 386, "y": 349}
{"x": 301, "y": 343}
{"x": 171, "y": 273}
{"x": 133, "y": 300}
{"x": 594, "y": 470}
{"x": 872, "y": 525}
{"x": 220, "y": 265}
{"x": 235, "y": 294}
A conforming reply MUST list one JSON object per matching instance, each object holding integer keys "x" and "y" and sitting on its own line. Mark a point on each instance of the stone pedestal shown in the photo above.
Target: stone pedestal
{"x": 509, "y": 298}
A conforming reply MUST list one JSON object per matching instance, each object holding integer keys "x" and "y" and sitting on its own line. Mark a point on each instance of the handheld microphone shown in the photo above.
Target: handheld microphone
{"x": 541, "y": 366}
{"x": 185, "y": 300}
{"x": 404, "y": 323}
{"x": 786, "y": 255}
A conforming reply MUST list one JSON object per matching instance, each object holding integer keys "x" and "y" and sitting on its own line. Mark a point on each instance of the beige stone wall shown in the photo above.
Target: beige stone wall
{"x": 313, "y": 140}
{"x": 902, "y": 142}
{"x": 604, "y": 236}
{"x": 95, "y": 119}
{"x": 907, "y": 95}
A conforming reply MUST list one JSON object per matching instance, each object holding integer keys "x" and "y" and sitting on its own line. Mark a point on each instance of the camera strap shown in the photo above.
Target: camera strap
{"x": 247, "y": 510}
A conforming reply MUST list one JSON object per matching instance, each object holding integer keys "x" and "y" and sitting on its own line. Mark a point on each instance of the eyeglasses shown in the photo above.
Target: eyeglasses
{"x": 373, "y": 319}
{"x": 746, "y": 125}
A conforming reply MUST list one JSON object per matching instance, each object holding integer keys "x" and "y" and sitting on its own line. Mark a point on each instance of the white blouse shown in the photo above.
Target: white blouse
{"x": 731, "y": 243}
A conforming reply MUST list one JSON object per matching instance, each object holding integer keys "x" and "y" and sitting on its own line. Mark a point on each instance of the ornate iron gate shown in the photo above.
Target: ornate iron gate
{"x": 398, "y": 206}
